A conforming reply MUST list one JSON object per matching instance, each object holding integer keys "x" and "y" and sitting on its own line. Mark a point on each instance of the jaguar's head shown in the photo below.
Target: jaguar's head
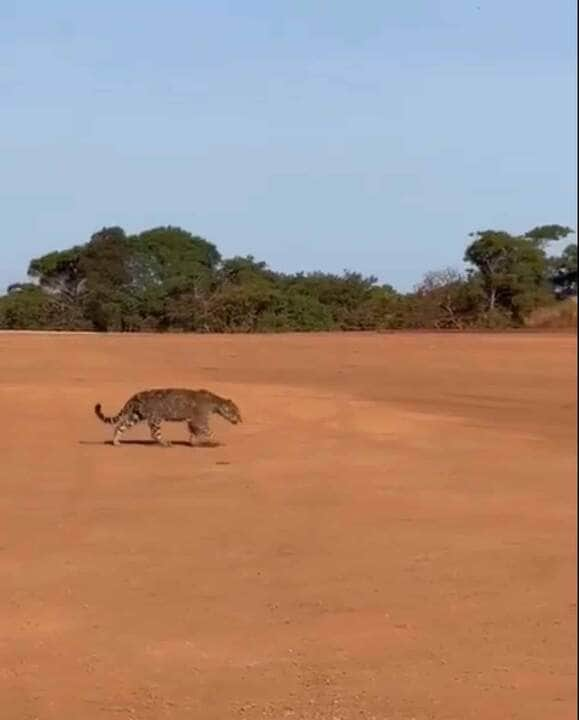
{"x": 229, "y": 410}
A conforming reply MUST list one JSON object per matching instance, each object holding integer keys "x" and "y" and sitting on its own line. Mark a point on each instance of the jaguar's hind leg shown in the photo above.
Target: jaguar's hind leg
{"x": 155, "y": 427}
{"x": 123, "y": 426}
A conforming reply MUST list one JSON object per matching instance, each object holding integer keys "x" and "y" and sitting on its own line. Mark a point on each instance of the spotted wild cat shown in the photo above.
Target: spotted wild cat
{"x": 171, "y": 405}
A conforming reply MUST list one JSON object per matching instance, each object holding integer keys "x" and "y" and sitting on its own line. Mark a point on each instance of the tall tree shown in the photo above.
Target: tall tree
{"x": 171, "y": 257}
{"x": 513, "y": 270}
{"x": 59, "y": 273}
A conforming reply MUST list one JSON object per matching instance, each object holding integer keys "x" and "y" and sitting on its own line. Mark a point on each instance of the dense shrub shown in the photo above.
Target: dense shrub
{"x": 166, "y": 279}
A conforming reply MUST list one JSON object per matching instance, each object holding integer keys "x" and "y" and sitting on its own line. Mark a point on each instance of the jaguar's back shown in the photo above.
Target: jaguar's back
{"x": 171, "y": 404}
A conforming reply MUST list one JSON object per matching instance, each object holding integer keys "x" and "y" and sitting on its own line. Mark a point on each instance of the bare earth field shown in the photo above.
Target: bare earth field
{"x": 390, "y": 535}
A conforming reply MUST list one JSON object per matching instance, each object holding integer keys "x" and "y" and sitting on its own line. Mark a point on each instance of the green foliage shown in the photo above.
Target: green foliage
{"x": 170, "y": 257}
{"x": 245, "y": 271}
{"x": 544, "y": 234}
{"x": 166, "y": 279}
{"x": 564, "y": 272}
{"x": 514, "y": 272}
{"x": 59, "y": 272}
{"x": 28, "y": 307}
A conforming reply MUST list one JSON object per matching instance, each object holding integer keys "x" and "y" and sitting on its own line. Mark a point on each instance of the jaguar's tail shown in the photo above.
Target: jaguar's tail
{"x": 108, "y": 420}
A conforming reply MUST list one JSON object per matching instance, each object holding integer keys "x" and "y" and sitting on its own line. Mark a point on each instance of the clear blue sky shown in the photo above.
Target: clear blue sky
{"x": 314, "y": 134}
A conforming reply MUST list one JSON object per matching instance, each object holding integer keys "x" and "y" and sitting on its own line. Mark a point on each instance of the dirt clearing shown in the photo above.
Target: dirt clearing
{"x": 390, "y": 535}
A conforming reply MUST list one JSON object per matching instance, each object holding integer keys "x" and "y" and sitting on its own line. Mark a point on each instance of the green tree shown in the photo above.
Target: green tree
{"x": 172, "y": 275}
{"x": 545, "y": 234}
{"x": 564, "y": 272}
{"x": 172, "y": 258}
{"x": 103, "y": 263}
{"x": 513, "y": 270}
{"x": 59, "y": 273}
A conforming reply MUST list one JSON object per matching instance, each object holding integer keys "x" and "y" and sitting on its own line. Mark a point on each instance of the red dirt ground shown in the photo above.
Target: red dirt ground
{"x": 389, "y": 535}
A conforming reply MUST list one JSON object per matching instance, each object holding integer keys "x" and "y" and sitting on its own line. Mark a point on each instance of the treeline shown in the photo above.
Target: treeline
{"x": 166, "y": 279}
